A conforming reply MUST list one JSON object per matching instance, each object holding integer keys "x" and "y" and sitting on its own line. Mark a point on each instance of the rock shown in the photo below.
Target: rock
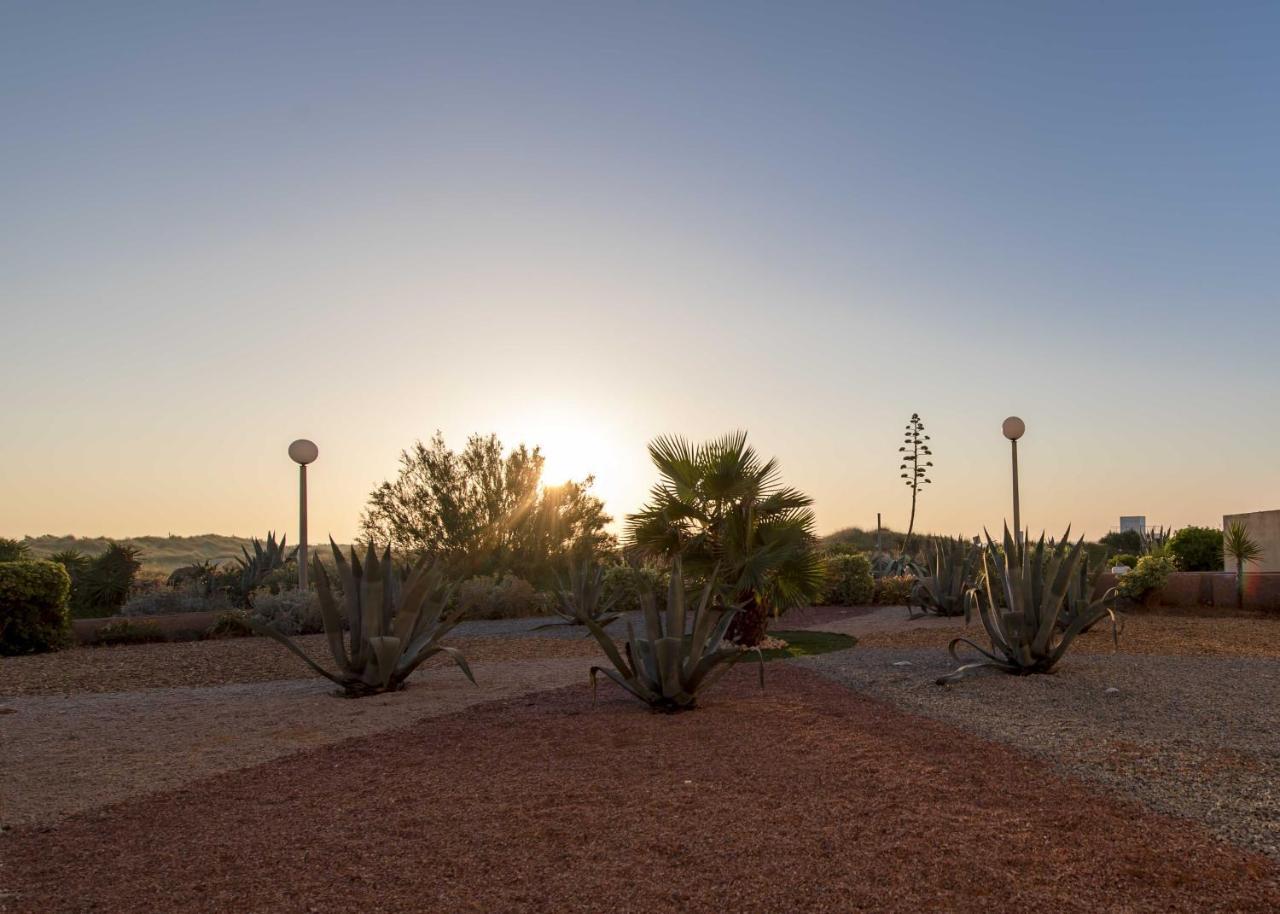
{"x": 1111, "y": 690}
{"x": 903, "y": 663}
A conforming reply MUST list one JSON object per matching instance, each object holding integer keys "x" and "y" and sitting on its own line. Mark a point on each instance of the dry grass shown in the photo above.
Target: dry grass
{"x": 1143, "y": 634}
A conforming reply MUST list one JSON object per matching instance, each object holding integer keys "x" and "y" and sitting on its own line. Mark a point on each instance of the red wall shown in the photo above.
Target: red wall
{"x": 1217, "y": 589}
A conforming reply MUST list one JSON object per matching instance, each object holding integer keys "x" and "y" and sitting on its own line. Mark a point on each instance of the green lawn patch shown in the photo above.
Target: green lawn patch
{"x": 807, "y": 643}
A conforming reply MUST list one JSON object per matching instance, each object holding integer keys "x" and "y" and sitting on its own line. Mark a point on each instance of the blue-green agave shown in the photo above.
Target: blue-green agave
{"x": 584, "y": 598}
{"x": 1032, "y": 584}
{"x": 945, "y": 591}
{"x": 677, "y": 654}
{"x": 392, "y": 624}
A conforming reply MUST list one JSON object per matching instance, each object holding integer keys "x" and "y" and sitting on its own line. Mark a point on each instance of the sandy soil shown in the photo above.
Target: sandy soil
{"x": 806, "y": 797}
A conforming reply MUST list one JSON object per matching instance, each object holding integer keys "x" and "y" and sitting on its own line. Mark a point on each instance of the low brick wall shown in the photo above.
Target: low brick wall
{"x": 177, "y": 626}
{"x": 1213, "y": 590}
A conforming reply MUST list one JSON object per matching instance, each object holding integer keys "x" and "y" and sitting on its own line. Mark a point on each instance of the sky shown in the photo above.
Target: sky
{"x": 224, "y": 226}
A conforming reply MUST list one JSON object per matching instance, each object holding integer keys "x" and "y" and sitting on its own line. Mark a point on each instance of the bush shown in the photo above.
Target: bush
{"x": 1197, "y": 549}
{"x": 1128, "y": 542}
{"x": 105, "y": 583}
{"x": 1129, "y": 560}
{"x": 849, "y": 580}
{"x": 291, "y": 612}
{"x": 1151, "y": 573}
{"x": 894, "y": 590}
{"x": 163, "y": 601}
{"x": 231, "y": 624}
{"x": 623, "y": 585}
{"x": 123, "y": 631}
{"x": 488, "y": 597}
{"x": 33, "y": 607}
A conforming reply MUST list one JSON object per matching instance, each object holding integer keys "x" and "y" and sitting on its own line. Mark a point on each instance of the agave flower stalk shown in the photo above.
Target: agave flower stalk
{"x": 392, "y": 625}
{"x": 1024, "y": 632}
{"x": 584, "y": 598}
{"x": 669, "y": 663}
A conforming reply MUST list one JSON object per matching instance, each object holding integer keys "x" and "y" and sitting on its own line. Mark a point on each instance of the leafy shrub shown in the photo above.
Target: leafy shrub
{"x": 1151, "y": 573}
{"x": 625, "y": 585}
{"x": 487, "y": 596}
{"x": 291, "y": 612}
{"x": 230, "y": 624}
{"x": 13, "y": 550}
{"x": 125, "y": 631}
{"x": 164, "y": 601}
{"x": 894, "y": 590}
{"x": 1128, "y": 542}
{"x": 1130, "y": 561}
{"x": 849, "y": 580}
{"x": 33, "y": 607}
{"x": 1197, "y": 549}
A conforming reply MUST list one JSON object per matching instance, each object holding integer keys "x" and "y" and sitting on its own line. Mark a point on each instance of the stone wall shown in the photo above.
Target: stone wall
{"x": 1213, "y": 590}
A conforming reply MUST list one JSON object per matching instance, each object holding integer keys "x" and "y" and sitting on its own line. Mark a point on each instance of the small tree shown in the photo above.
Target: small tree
{"x": 915, "y": 467}
{"x": 1238, "y": 545}
{"x": 13, "y": 550}
{"x": 1197, "y": 549}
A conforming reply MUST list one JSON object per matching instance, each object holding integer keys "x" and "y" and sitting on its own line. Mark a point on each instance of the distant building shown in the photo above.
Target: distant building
{"x": 1264, "y": 529}
{"x": 1135, "y": 522}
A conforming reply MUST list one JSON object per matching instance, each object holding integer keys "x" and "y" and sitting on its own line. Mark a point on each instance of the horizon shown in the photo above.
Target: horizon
{"x": 581, "y": 226}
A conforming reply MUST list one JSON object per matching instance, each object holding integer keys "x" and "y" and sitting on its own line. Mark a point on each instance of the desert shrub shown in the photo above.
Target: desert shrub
{"x": 1151, "y": 573}
{"x": 126, "y": 631}
{"x": 625, "y": 584}
{"x": 161, "y": 601}
{"x": 1129, "y": 560}
{"x": 849, "y": 580}
{"x": 13, "y": 550}
{"x": 291, "y": 612}
{"x": 894, "y": 590}
{"x": 230, "y": 624}
{"x": 487, "y": 596}
{"x": 1197, "y": 549}
{"x": 33, "y": 607}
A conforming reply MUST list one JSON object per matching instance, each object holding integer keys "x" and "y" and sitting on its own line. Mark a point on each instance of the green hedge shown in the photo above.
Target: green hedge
{"x": 33, "y": 607}
{"x": 849, "y": 580}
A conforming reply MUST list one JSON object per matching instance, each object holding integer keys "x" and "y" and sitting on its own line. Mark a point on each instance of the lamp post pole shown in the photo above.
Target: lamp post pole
{"x": 302, "y": 452}
{"x": 1013, "y": 429}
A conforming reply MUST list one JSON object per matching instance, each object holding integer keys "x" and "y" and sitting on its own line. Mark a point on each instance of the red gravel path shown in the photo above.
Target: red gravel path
{"x": 804, "y": 798}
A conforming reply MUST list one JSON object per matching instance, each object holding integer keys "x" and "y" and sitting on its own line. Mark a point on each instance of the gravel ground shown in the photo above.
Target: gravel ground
{"x": 1192, "y": 736}
{"x": 805, "y": 797}
{"x": 189, "y": 664}
{"x": 68, "y": 754}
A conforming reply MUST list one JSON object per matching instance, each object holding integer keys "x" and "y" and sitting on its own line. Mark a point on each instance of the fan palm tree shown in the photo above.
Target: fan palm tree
{"x": 719, "y": 504}
{"x": 1238, "y": 545}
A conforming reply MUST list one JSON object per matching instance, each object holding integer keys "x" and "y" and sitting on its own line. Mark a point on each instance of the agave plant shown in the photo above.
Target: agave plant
{"x": 253, "y": 569}
{"x": 945, "y": 592}
{"x": 670, "y": 663}
{"x": 1024, "y": 632}
{"x": 584, "y": 598}
{"x": 885, "y": 565}
{"x": 393, "y": 624}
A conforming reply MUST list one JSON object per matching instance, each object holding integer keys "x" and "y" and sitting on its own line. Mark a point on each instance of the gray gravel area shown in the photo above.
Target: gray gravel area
{"x": 1197, "y": 737}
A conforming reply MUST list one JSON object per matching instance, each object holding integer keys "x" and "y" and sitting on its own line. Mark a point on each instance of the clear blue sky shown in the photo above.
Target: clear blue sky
{"x": 228, "y": 225}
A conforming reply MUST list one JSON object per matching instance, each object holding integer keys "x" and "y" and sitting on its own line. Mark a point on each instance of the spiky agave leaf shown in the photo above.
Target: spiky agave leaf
{"x": 675, "y": 657}
{"x": 945, "y": 591}
{"x": 584, "y": 597}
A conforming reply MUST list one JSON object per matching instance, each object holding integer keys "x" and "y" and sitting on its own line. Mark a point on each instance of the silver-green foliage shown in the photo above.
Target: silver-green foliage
{"x": 677, "y": 654}
{"x": 1032, "y": 584}
{"x": 392, "y": 625}
{"x": 945, "y": 591}
{"x": 584, "y": 599}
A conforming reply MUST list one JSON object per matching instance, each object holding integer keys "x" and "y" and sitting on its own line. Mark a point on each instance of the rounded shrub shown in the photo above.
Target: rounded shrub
{"x": 849, "y": 580}
{"x": 623, "y": 585}
{"x": 1197, "y": 549}
{"x": 894, "y": 590}
{"x": 33, "y": 607}
{"x": 1151, "y": 573}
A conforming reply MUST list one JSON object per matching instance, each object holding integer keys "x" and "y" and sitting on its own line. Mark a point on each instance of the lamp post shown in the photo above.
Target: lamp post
{"x": 303, "y": 452}
{"x": 1013, "y": 429}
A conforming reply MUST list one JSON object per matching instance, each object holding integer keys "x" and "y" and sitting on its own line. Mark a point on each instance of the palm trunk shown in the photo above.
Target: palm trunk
{"x": 1239, "y": 584}
{"x": 750, "y": 624}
